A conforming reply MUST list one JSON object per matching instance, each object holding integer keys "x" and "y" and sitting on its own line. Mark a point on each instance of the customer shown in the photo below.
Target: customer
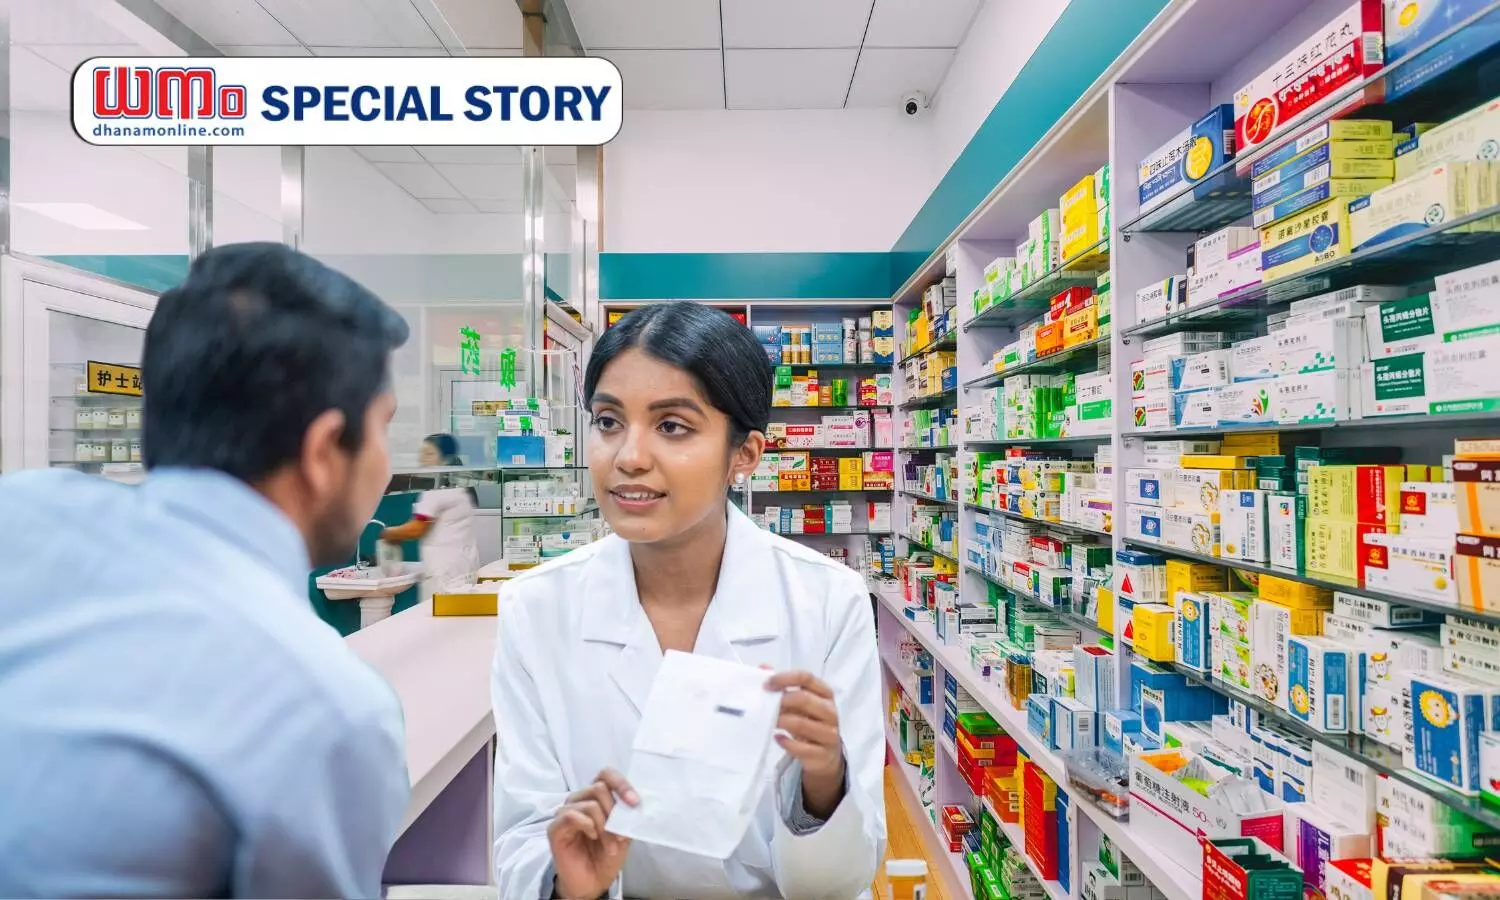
{"x": 680, "y": 395}
{"x": 175, "y": 721}
{"x": 443, "y": 521}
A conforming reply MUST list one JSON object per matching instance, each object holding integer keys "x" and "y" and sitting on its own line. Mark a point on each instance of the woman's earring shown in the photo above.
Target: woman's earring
{"x": 739, "y": 478}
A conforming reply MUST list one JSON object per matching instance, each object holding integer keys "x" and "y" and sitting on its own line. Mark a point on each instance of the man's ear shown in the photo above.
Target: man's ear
{"x": 323, "y": 457}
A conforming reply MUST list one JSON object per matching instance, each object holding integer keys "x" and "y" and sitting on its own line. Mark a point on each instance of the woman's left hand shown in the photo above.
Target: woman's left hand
{"x": 810, "y": 721}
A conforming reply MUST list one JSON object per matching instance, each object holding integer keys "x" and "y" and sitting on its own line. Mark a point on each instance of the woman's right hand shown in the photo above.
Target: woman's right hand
{"x": 586, "y": 858}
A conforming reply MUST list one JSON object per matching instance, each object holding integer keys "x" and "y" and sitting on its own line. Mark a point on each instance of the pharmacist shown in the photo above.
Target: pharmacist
{"x": 443, "y": 520}
{"x": 679, "y": 396}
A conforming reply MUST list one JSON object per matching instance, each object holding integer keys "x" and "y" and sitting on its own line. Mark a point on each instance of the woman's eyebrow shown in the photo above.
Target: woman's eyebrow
{"x": 605, "y": 399}
{"x": 677, "y": 403}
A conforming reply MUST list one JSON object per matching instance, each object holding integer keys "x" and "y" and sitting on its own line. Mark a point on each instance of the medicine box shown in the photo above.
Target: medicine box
{"x": 1464, "y": 302}
{"x": 1369, "y": 495}
{"x": 1401, "y": 326}
{"x": 1153, "y": 625}
{"x": 1075, "y": 724}
{"x": 1270, "y": 629}
{"x": 1242, "y": 525}
{"x": 1196, "y": 409}
{"x": 1476, "y": 563}
{"x": 1285, "y": 514}
{"x": 1339, "y": 189}
{"x": 1162, "y": 298}
{"x": 1311, "y": 397}
{"x": 1476, "y": 487}
{"x": 1381, "y": 613}
{"x": 1200, "y": 370}
{"x": 1428, "y": 198}
{"x": 1183, "y": 576}
{"x": 1143, "y": 523}
{"x": 1215, "y": 250}
{"x": 1245, "y": 403}
{"x": 1427, "y": 509}
{"x": 1317, "y": 235}
{"x": 1321, "y": 345}
{"x": 1394, "y": 386}
{"x": 1320, "y": 674}
{"x": 1330, "y": 159}
{"x": 1143, "y": 486}
{"x": 1447, "y": 716}
{"x": 1194, "y": 631}
{"x": 1188, "y": 158}
{"x": 1461, "y": 376}
{"x": 1192, "y": 531}
{"x": 1341, "y": 52}
{"x": 1372, "y": 131}
{"x": 1469, "y": 136}
{"x": 1240, "y": 271}
{"x": 1139, "y": 577}
{"x": 1254, "y": 359}
{"x": 1197, "y": 490}
{"x": 1411, "y": 567}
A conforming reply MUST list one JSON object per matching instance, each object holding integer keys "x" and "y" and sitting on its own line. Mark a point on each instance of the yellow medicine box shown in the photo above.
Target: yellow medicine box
{"x": 1310, "y": 238}
{"x": 1078, "y": 202}
{"x": 1153, "y": 624}
{"x": 1294, "y": 594}
{"x": 1255, "y": 443}
{"x": 1370, "y": 495}
{"x": 851, "y": 473}
{"x": 1332, "y": 547}
{"x": 1081, "y": 327}
{"x": 1194, "y": 577}
{"x": 477, "y": 603}
{"x": 1205, "y": 461}
{"x": 1104, "y": 613}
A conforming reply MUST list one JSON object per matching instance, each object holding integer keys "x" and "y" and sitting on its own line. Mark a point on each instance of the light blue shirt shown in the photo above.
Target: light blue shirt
{"x": 174, "y": 718}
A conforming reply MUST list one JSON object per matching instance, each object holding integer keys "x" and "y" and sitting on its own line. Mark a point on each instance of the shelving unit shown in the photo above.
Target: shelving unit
{"x": 1195, "y": 55}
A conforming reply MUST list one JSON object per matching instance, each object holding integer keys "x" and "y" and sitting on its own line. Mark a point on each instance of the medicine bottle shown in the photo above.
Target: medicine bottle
{"x": 905, "y": 879}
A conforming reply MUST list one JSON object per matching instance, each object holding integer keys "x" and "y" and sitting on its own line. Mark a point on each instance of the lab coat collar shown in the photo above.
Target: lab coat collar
{"x": 231, "y": 509}
{"x": 737, "y": 615}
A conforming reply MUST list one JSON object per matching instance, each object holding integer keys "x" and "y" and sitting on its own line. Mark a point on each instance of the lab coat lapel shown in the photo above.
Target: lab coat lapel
{"x": 743, "y": 623}
{"x": 614, "y": 618}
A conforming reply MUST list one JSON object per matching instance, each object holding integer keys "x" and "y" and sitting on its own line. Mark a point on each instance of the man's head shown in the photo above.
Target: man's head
{"x": 269, "y": 366}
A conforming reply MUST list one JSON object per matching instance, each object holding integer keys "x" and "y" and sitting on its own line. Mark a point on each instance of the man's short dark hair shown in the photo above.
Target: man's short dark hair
{"x": 257, "y": 343}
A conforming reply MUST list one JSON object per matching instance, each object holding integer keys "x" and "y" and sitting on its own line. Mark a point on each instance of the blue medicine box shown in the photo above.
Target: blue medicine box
{"x": 1422, "y": 22}
{"x": 1189, "y": 158}
{"x": 1064, "y": 850}
{"x": 520, "y": 450}
{"x": 1118, "y": 725}
{"x": 1039, "y": 718}
{"x": 1447, "y": 715}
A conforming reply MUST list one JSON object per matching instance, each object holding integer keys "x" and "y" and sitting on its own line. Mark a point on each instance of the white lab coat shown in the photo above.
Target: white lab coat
{"x": 575, "y": 660}
{"x": 450, "y": 553}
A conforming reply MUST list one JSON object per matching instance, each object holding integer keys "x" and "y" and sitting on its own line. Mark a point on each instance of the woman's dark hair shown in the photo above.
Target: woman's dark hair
{"x": 722, "y": 355}
{"x": 446, "y": 446}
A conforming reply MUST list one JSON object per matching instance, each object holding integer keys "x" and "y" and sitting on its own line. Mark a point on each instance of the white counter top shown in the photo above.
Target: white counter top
{"x": 440, "y": 668}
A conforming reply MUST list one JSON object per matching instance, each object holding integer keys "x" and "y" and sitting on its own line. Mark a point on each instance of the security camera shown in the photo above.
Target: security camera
{"x": 913, "y": 104}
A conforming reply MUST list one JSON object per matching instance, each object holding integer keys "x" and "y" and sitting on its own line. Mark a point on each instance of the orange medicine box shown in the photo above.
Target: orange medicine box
{"x": 1081, "y": 327}
{"x": 1476, "y": 489}
{"x": 468, "y": 603}
{"x": 1049, "y": 338}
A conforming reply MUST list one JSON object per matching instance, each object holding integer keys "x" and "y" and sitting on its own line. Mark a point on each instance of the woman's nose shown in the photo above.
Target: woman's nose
{"x": 632, "y": 455}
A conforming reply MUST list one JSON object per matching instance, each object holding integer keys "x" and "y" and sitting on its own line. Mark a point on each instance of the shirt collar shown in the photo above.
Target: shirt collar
{"x": 231, "y": 509}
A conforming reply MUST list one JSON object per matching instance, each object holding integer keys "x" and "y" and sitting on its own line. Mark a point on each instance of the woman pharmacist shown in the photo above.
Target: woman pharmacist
{"x": 679, "y": 396}
{"x": 443, "y": 521}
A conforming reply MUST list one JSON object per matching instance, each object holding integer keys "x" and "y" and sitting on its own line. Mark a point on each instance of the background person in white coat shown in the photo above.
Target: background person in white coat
{"x": 443, "y": 520}
{"x": 680, "y": 395}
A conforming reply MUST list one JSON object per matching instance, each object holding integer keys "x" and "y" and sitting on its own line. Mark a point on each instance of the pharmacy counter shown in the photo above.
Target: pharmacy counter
{"x": 439, "y": 667}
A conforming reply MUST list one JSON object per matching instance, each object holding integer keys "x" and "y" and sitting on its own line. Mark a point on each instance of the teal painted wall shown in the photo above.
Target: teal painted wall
{"x": 743, "y": 276}
{"x": 151, "y": 272}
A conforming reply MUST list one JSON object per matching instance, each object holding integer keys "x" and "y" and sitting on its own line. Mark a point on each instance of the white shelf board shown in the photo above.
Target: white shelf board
{"x": 1174, "y": 881}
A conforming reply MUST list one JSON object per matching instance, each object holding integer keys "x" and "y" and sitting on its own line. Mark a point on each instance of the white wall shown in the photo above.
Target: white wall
{"x": 718, "y": 181}
{"x": 1000, "y": 41}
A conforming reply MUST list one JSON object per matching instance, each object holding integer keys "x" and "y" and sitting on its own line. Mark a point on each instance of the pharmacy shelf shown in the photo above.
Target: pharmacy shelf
{"x": 919, "y": 449}
{"x": 777, "y": 409}
{"x": 1067, "y": 615}
{"x": 947, "y": 341}
{"x": 946, "y": 743}
{"x": 1377, "y": 423}
{"x": 1039, "y": 442}
{"x": 1372, "y": 753}
{"x": 934, "y": 551}
{"x": 1077, "y": 358}
{"x": 948, "y": 501}
{"x": 837, "y": 367}
{"x": 828, "y": 534}
{"x": 1034, "y": 299}
{"x": 1061, "y": 526}
{"x": 811, "y": 492}
{"x": 955, "y": 873}
{"x": 1315, "y": 579}
{"x": 903, "y": 674}
{"x": 1170, "y": 878}
{"x": 932, "y": 401}
{"x": 1409, "y": 260}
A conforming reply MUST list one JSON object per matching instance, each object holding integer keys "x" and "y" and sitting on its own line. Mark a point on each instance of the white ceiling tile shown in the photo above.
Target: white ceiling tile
{"x": 449, "y": 207}
{"x": 788, "y": 79}
{"x": 484, "y": 182}
{"x": 263, "y": 50}
{"x": 378, "y": 51}
{"x": 353, "y": 23}
{"x": 631, "y": 24}
{"x": 493, "y": 51}
{"x": 920, "y": 23}
{"x": 483, "y": 23}
{"x": 884, "y": 75}
{"x": 670, "y": 79}
{"x": 498, "y": 206}
{"x": 391, "y": 154}
{"x": 63, "y": 22}
{"x": 472, "y": 155}
{"x": 230, "y": 22}
{"x": 795, "y": 23}
{"x": 418, "y": 179}
{"x": 69, "y": 56}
